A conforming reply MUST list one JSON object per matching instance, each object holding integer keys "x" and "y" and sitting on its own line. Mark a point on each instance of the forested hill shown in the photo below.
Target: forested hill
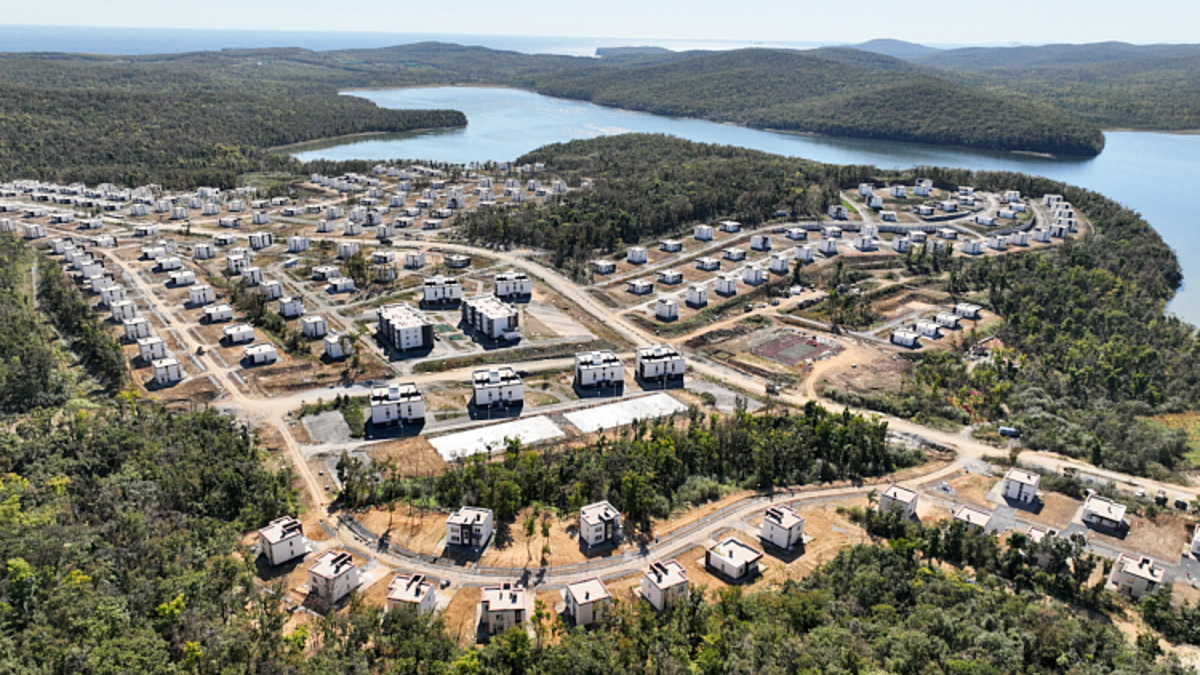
{"x": 1113, "y": 84}
{"x": 799, "y": 91}
{"x": 194, "y": 119}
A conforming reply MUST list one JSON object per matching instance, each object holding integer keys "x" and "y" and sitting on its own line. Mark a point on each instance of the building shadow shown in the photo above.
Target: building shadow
{"x": 495, "y": 412}
{"x": 607, "y": 390}
{"x": 392, "y": 431}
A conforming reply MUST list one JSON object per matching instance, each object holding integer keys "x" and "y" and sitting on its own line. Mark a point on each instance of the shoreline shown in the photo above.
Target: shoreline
{"x": 346, "y": 137}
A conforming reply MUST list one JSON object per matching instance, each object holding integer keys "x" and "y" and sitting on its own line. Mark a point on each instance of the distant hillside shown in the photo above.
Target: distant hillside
{"x": 1111, "y": 84}
{"x": 803, "y": 91}
{"x": 1063, "y": 55}
{"x": 605, "y": 52}
{"x": 895, "y": 48}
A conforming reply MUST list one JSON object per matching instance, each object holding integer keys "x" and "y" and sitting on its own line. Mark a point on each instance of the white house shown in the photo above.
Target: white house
{"x": 947, "y": 206}
{"x": 987, "y": 221}
{"x": 325, "y": 272}
{"x": 730, "y": 226}
{"x": 1012, "y": 196}
{"x": 261, "y": 240}
{"x": 1196, "y": 543}
{"x": 183, "y": 278}
{"x": 239, "y": 333}
{"x": 865, "y": 189}
{"x": 491, "y": 317}
{"x": 236, "y": 263}
{"x": 669, "y": 276}
{"x": 947, "y": 233}
{"x": 469, "y": 526}
{"x": 137, "y": 327}
{"x": 503, "y": 607}
{"x": 383, "y": 257}
{"x": 875, "y": 202}
{"x": 760, "y": 242}
{"x": 252, "y": 275}
{"x": 352, "y": 228}
{"x": 838, "y": 212}
{"x": 123, "y": 309}
{"x": 404, "y": 327}
{"x": 929, "y": 329}
{"x": 1005, "y": 214}
{"x": 899, "y": 498}
{"x": 753, "y": 275}
{"x": 966, "y": 190}
{"x": 414, "y": 259}
{"x": 697, "y": 295}
{"x": 734, "y": 254}
{"x": 341, "y": 285}
{"x": 670, "y": 246}
{"x": 283, "y": 540}
{"x": 888, "y": 216}
{"x": 112, "y": 294}
{"x": 666, "y": 309}
{"x": 497, "y": 386}
{"x": 459, "y": 261}
{"x": 906, "y": 338}
{"x": 229, "y": 221}
{"x": 261, "y": 353}
{"x": 828, "y": 247}
{"x": 34, "y": 230}
{"x": 1021, "y": 485}
{"x": 313, "y": 326}
{"x": 151, "y": 348}
{"x": 332, "y": 576}
{"x": 704, "y": 232}
{"x": 727, "y": 284}
{"x": 145, "y": 231}
{"x": 166, "y": 370}
{"x": 1102, "y": 512}
{"x": 224, "y": 239}
{"x": 297, "y": 244}
{"x": 664, "y": 584}
{"x": 218, "y": 313}
{"x": 335, "y": 346}
{"x": 639, "y": 286}
{"x": 441, "y": 290}
{"x": 1059, "y": 231}
{"x": 897, "y": 192}
{"x": 414, "y": 591}
{"x": 1135, "y": 575}
{"x": 658, "y": 362}
{"x": 796, "y": 233}
{"x": 864, "y": 242}
{"x": 946, "y": 319}
{"x": 780, "y": 263}
{"x": 347, "y": 249}
{"x": 604, "y": 266}
{"x": 967, "y": 310}
{"x": 291, "y": 307}
{"x": 733, "y": 558}
{"x": 599, "y": 524}
{"x": 708, "y": 264}
{"x": 599, "y": 368}
{"x": 1051, "y": 199}
{"x": 923, "y": 210}
{"x": 1018, "y": 238}
{"x": 513, "y": 284}
{"x": 974, "y": 518}
{"x": 394, "y": 403}
{"x": 971, "y": 247}
{"x": 271, "y": 290}
{"x": 806, "y": 253}
{"x": 587, "y": 601}
{"x": 998, "y": 242}
{"x": 782, "y": 527}
{"x": 636, "y": 255}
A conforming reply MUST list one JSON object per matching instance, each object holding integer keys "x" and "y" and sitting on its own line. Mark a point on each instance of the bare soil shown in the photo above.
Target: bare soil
{"x": 460, "y": 614}
{"x": 411, "y": 456}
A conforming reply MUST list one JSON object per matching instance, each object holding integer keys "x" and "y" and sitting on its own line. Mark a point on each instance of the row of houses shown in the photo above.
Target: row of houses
{"x": 911, "y": 337}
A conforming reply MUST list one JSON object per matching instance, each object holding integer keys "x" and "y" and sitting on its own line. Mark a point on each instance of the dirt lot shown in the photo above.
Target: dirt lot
{"x": 460, "y": 614}
{"x": 410, "y": 528}
{"x": 511, "y": 550}
{"x": 973, "y": 487}
{"x": 1057, "y": 511}
{"x": 412, "y": 456}
{"x": 875, "y": 373}
{"x": 1162, "y": 538}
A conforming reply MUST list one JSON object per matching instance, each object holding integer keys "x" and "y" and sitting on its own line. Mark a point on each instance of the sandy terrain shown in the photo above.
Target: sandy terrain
{"x": 973, "y": 488}
{"x": 411, "y": 456}
{"x": 460, "y": 614}
{"x": 1057, "y": 511}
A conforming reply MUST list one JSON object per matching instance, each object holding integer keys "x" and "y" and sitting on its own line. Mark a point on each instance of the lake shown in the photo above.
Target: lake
{"x": 1149, "y": 172}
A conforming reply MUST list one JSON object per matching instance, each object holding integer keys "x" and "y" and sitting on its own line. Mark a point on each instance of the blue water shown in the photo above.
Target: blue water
{"x": 1151, "y": 172}
{"x": 128, "y": 41}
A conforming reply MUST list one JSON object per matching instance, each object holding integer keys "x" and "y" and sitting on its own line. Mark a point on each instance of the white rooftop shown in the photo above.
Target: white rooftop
{"x": 973, "y": 516}
{"x": 1022, "y": 476}
{"x": 1105, "y": 508}
{"x": 474, "y": 441}
{"x": 900, "y": 494}
{"x": 591, "y": 590}
{"x": 624, "y": 413}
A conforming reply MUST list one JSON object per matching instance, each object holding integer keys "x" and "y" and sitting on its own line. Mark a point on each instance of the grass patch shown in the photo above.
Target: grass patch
{"x": 1189, "y": 422}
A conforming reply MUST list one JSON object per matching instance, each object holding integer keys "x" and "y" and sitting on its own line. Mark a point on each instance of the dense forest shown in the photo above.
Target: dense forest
{"x": 30, "y": 376}
{"x": 648, "y": 186}
{"x": 1113, "y": 84}
{"x": 798, "y": 91}
{"x": 655, "y": 469}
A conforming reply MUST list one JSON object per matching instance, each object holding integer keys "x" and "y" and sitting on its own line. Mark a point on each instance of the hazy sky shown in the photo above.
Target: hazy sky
{"x": 928, "y": 21}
